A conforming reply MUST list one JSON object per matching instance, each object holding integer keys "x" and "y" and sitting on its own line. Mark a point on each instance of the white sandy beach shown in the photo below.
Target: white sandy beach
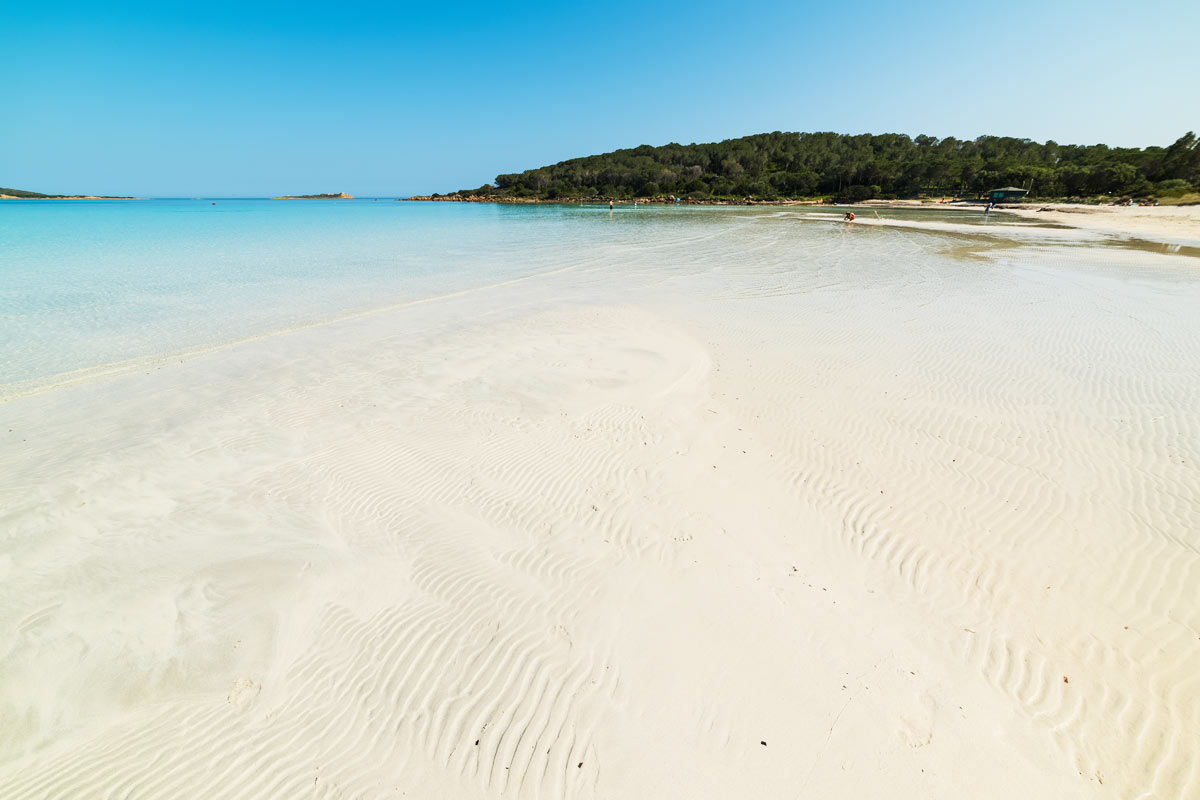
{"x": 1178, "y": 224}
{"x": 843, "y": 527}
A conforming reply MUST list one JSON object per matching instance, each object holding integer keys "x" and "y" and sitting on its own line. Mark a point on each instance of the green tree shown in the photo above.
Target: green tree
{"x": 781, "y": 164}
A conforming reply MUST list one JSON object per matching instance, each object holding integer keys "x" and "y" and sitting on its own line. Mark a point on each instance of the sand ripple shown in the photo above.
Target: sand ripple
{"x": 764, "y": 509}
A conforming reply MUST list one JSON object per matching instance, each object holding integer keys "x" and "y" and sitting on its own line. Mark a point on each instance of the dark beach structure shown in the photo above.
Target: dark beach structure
{"x": 1007, "y": 194}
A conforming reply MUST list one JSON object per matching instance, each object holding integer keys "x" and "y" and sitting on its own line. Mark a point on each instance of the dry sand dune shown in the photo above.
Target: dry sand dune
{"x": 769, "y": 509}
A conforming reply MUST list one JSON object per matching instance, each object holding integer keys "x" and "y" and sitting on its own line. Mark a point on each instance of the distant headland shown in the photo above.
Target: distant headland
{"x": 22, "y": 194}
{"x": 338, "y": 196}
{"x": 823, "y": 167}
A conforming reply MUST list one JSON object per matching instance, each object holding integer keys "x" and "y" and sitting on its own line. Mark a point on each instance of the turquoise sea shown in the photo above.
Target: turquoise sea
{"x": 93, "y": 282}
{"x": 87, "y": 283}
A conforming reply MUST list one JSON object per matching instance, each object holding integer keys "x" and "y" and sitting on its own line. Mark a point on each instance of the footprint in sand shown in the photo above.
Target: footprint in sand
{"x": 244, "y": 692}
{"x": 916, "y": 727}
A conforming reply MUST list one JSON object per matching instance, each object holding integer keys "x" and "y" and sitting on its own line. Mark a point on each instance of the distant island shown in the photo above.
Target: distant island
{"x": 338, "y": 196}
{"x": 22, "y": 194}
{"x": 816, "y": 167}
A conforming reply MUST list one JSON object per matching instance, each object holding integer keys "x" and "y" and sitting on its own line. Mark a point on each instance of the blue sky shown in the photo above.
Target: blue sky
{"x": 383, "y": 99}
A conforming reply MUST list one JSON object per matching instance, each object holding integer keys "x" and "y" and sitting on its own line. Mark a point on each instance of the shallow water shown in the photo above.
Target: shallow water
{"x": 91, "y": 283}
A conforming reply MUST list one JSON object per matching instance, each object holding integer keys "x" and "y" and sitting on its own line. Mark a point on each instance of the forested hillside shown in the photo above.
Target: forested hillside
{"x": 23, "y": 194}
{"x": 794, "y": 165}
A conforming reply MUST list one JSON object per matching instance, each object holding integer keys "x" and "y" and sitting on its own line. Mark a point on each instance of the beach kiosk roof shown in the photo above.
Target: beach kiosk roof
{"x": 1007, "y": 193}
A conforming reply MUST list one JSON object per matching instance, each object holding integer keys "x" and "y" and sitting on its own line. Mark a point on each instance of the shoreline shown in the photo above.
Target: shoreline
{"x": 568, "y": 201}
{"x": 1174, "y": 224}
{"x": 1171, "y": 224}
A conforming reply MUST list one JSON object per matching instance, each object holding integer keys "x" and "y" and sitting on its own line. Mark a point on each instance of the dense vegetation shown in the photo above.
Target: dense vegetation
{"x": 24, "y": 194}
{"x": 27, "y": 195}
{"x": 778, "y": 165}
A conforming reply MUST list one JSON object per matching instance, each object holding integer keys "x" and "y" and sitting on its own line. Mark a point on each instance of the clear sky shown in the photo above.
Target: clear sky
{"x": 383, "y": 99}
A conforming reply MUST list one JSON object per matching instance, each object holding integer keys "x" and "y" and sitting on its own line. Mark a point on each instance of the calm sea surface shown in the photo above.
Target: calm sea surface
{"x": 91, "y": 283}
